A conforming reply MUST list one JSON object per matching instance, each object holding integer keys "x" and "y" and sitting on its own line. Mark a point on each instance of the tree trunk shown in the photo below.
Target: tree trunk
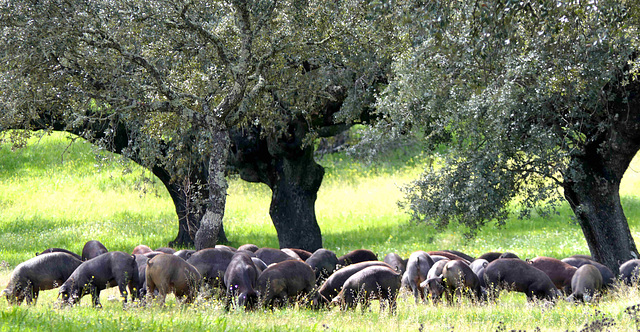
{"x": 293, "y": 199}
{"x": 592, "y": 183}
{"x": 293, "y": 176}
{"x": 207, "y": 234}
{"x": 596, "y": 204}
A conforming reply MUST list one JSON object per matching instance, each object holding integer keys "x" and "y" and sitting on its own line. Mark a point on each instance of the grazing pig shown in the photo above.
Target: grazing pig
{"x": 154, "y": 254}
{"x": 357, "y": 256}
{"x": 418, "y": 266}
{"x": 170, "y": 273}
{"x": 396, "y": 262}
{"x": 141, "y": 249}
{"x": 222, "y": 246}
{"x": 332, "y": 286}
{"x": 373, "y": 282}
{"x": 509, "y": 255}
{"x": 490, "y": 256}
{"x": 110, "y": 269}
{"x": 93, "y": 249}
{"x": 303, "y": 254}
{"x": 323, "y": 262}
{"x": 271, "y": 255}
{"x": 607, "y": 275}
{"x": 582, "y": 256}
{"x": 459, "y": 279}
{"x": 184, "y": 253}
{"x": 478, "y": 266}
{"x": 285, "y": 280}
{"x": 141, "y": 261}
{"x": 516, "y": 274}
{"x": 586, "y": 283}
{"x": 630, "y": 271}
{"x": 436, "y": 268}
{"x": 461, "y": 254}
{"x": 558, "y": 271}
{"x": 434, "y": 284}
{"x": 211, "y": 264}
{"x": 291, "y": 253}
{"x": 240, "y": 279}
{"x": 50, "y": 250}
{"x": 166, "y": 250}
{"x": 447, "y": 255}
{"x": 39, "y": 273}
{"x": 260, "y": 265}
{"x": 437, "y": 258}
{"x": 249, "y": 247}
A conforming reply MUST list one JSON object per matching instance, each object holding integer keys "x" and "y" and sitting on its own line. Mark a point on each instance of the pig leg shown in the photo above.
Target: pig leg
{"x": 28, "y": 293}
{"x": 35, "y": 293}
{"x": 95, "y": 296}
{"x": 151, "y": 288}
{"x": 123, "y": 291}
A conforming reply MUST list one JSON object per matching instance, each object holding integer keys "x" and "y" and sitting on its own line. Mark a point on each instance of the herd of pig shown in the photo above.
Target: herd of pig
{"x": 250, "y": 276}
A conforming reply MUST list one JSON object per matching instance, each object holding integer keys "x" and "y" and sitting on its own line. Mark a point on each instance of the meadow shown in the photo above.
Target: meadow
{"x": 57, "y": 194}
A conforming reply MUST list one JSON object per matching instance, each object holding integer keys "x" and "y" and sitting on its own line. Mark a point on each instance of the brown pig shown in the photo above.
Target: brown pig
{"x": 558, "y": 271}
{"x": 516, "y": 274}
{"x": 357, "y": 256}
{"x": 170, "y": 273}
{"x": 285, "y": 280}
{"x": 141, "y": 249}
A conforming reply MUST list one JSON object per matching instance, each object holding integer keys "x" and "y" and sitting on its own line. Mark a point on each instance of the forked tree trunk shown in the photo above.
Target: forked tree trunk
{"x": 182, "y": 191}
{"x": 207, "y": 234}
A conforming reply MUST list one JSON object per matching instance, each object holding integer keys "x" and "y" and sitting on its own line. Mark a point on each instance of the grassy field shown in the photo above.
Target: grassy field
{"x": 56, "y": 195}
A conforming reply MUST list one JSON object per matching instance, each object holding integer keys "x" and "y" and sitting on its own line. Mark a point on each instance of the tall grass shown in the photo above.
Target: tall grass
{"x": 53, "y": 194}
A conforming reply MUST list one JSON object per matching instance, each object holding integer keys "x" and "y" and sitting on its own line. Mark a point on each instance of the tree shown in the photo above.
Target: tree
{"x": 534, "y": 97}
{"x": 188, "y": 69}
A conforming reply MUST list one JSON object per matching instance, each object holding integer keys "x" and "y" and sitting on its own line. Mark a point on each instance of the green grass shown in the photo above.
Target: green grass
{"x": 56, "y": 195}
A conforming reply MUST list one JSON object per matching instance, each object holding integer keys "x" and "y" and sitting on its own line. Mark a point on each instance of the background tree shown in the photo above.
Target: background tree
{"x": 540, "y": 100}
{"x": 188, "y": 70}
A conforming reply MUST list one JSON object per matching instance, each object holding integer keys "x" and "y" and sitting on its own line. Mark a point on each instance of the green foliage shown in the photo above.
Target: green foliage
{"x": 521, "y": 89}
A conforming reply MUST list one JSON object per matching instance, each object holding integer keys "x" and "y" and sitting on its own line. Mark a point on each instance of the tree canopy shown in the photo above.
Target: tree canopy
{"x": 534, "y": 96}
{"x": 182, "y": 74}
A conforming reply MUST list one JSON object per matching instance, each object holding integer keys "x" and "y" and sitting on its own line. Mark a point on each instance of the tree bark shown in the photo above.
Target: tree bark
{"x": 592, "y": 183}
{"x": 293, "y": 176}
{"x": 207, "y": 234}
{"x": 596, "y": 204}
{"x": 293, "y": 200}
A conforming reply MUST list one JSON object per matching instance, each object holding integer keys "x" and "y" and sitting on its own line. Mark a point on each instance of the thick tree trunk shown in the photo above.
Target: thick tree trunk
{"x": 293, "y": 199}
{"x": 592, "y": 182}
{"x": 293, "y": 176}
{"x": 596, "y": 204}
{"x": 207, "y": 234}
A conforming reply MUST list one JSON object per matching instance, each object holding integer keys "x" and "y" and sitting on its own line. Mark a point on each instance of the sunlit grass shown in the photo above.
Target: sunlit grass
{"x": 51, "y": 199}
